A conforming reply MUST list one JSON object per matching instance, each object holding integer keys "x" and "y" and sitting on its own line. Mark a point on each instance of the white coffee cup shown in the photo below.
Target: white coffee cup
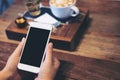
{"x": 62, "y": 10}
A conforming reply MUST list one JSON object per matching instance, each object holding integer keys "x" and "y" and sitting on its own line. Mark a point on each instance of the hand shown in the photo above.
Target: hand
{"x": 10, "y": 69}
{"x": 50, "y": 65}
{"x": 47, "y": 70}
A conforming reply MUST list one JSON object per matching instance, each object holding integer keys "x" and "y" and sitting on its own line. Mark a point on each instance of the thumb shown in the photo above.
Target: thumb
{"x": 49, "y": 53}
{"x": 19, "y": 48}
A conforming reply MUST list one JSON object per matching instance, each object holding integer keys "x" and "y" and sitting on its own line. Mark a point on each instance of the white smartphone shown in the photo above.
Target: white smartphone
{"x": 34, "y": 51}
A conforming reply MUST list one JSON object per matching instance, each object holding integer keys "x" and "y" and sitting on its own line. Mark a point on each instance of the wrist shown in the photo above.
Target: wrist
{"x": 5, "y": 75}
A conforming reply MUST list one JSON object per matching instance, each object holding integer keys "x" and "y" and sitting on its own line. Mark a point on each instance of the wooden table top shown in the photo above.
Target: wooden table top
{"x": 100, "y": 41}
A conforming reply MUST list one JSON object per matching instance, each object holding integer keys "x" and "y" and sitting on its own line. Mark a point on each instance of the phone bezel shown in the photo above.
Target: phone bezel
{"x": 27, "y": 67}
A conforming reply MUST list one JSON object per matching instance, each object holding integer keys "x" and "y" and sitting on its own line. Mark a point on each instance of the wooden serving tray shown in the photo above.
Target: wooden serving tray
{"x": 65, "y": 37}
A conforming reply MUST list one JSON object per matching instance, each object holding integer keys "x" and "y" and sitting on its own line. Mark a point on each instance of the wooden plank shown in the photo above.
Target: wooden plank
{"x": 72, "y": 67}
{"x": 62, "y": 38}
{"x": 100, "y": 41}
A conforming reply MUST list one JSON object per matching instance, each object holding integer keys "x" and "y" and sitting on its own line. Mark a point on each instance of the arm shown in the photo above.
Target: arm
{"x": 50, "y": 65}
{"x": 10, "y": 70}
{"x": 4, "y": 75}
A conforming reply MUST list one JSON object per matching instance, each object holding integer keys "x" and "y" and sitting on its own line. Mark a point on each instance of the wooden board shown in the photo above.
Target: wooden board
{"x": 64, "y": 38}
{"x": 101, "y": 39}
{"x": 72, "y": 67}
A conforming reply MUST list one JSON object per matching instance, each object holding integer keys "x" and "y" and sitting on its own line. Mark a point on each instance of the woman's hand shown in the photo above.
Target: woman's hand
{"x": 10, "y": 69}
{"x": 50, "y": 65}
{"x": 48, "y": 68}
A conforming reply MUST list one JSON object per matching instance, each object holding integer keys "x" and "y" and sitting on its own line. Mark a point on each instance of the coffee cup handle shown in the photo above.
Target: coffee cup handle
{"x": 75, "y": 11}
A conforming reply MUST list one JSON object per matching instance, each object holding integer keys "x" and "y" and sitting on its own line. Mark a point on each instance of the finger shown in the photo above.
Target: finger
{"x": 13, "y": 59}
{"x": 19, "y": 48}
{"x": 49, "y": 53}
{"x": 56, "y": 63}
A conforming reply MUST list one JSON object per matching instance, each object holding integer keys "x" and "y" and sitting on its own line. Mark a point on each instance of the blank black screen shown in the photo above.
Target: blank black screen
{"x": 35, "y": 46}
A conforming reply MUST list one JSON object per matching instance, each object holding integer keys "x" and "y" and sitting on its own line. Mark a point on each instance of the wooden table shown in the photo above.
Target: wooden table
{"x": 97, "y": 57}
{"x": 65, "y": 37}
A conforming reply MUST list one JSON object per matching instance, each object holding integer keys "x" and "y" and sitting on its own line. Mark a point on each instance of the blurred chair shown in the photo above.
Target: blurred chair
{"x": 4, "y": 4}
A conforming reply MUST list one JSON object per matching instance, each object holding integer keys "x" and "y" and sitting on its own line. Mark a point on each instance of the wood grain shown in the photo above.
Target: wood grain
{"x": 100, "y": 41}
{"x": 73, "y": 67}
{"x": 65, "y": 35}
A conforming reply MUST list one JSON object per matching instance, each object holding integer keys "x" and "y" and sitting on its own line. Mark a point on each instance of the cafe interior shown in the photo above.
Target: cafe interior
{"x": 85, "y": 35}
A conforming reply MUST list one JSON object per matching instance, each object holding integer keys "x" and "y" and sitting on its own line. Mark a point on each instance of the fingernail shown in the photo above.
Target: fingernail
{"x": 22, "y": 39}
{"x": 51, "y": 44}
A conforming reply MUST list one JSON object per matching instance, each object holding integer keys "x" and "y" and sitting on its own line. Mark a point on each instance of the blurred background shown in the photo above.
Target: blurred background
{"x": 4, "y": 4}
